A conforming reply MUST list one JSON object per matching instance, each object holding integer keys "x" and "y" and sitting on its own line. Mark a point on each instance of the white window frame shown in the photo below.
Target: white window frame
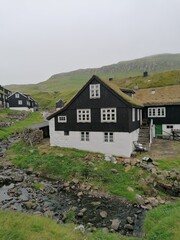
{"x": 138, "y": 114}
{"x": 83, "y": 115}
{"x": 108, "y": 137}
{"x": 157, "y": 112}
{"x": 108, "y": 115}
{"x": 94, "y": 91}
{"x": 133, "y": 114}
{"x": 62, "y": 119}
{"x": 85, "y": 137}
{"x": 16, "y": 95}
{"x": 20, "y": 102}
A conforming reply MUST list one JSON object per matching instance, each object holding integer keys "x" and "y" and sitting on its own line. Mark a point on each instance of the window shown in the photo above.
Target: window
{"x": 157, "y": 112}
{"x": 17, "y": 95}
{"x": 108, "y": 115}
{"x": 133, "y": 114}
{"x": 20, "y": 102}
{"x": 169, "y": 126}
{"x": 62, "y": 119}
{"x": 85, "y": 136}
{"x": 66, "y": 133}
{"x": 94, "y": 91}
{"x": 108, "y": 137}
{"x": 83, "y": 115}
{"x": 138, "y": 115}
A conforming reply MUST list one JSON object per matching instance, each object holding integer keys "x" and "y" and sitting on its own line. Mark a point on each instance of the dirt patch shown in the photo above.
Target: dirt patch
{"x": 164, "y": 149}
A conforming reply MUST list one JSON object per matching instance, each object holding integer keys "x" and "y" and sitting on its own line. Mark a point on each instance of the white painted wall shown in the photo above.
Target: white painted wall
{"x": 122, "y": 145}
{"x": 20, "y": 108}
{"x": 167, "y": 131}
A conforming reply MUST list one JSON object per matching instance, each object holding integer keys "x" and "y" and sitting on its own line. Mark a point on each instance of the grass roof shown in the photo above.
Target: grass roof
{"x": 168, "y": 95}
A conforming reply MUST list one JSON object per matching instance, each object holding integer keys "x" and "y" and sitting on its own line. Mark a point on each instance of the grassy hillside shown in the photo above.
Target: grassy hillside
{"x": 163, "y": 70}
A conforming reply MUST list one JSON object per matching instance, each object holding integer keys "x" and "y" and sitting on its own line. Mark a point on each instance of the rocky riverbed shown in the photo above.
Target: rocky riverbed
{"x": 26, "y": 191}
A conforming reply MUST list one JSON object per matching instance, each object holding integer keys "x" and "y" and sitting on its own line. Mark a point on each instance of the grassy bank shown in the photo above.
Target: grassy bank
{"x": 18, "y": 226}
{"x": 70, "y": 163}
{"x": 32, "y": 118}
{"x": 161, "y": 223}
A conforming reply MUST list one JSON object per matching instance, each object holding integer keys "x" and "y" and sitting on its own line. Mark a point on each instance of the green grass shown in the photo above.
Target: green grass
{"x": 20, "y": 226}
{"x": 163, "y": 223}
{"x": 166, "y": 164}
{"x": 70, "y": 163}
{"x": 32, "y": 118}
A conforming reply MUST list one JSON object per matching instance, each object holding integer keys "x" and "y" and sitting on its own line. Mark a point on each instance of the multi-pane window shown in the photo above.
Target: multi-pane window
{"x": 108, "y": 137}
{"x": 83, "y": 115}
{"x": 157, "y": 112}
{"x": 94, "y": 90}
{"x": 108, "y": 115}
{"x": 17, "y": 95}
{"x": 19, "y": 102}
{"x": 62, "y": 119}
{"x": 133, "y": 114}
{"x": 85, "y": 136}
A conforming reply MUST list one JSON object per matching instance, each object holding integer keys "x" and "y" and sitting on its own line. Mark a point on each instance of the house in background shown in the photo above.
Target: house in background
{"x": 59, "y": 104}
{"x": 20, "y": 101}
{"x": 161, "y": 110}
{"x": 4, "y": 93}
{"x": 100, "y": 118}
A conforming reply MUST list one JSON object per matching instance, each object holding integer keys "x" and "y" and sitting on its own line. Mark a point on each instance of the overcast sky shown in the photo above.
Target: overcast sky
{"x": 39, "y": 38}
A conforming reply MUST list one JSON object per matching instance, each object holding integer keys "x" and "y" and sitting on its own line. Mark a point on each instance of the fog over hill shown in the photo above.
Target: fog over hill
{"x": 75, "y": 79}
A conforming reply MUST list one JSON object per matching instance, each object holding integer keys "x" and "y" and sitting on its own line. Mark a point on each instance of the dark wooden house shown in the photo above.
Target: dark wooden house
{"x": 4, "y": 93}
{"x": 100, "y": 118}
{"x": 20, "y": 101}
{"x": 161, "y": 109}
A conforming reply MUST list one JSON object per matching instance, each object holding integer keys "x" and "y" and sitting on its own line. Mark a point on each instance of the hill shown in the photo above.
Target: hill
{"x": 163, "y": 69}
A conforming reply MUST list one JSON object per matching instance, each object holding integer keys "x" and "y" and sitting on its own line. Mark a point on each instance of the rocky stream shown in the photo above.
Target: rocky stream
{"x": 59, "y": 200}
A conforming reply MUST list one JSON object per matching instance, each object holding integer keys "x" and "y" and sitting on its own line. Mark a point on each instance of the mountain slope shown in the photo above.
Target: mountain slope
{"x": 125, "y": 74}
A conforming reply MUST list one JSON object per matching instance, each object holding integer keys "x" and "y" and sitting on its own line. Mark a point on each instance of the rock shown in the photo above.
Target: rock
{"x": 95, "y": 204}
{"x": 103, "y": 214}
{"x": 127, "y": 161}
{"x": 75, "y": 180}
{"x": 130, "y": 220}
{"x": 133, "y": 162}
{"x": 129, "y": 227}
{"x": 30, "y": 205}
{"x": 105, "y": 230}
{"x": 153, "y": 201}
{"x": 128, "y": 168}
{"x": 18, "y": 178}
{"x": 130, "y": 189}
{"x": 80, "y": 194}
{"x": 139, "y": 198}
{"x": 113, "y": 160}
{"x": 115, "y": 224}
{"x": 113, "y": 170}
{"x": 29, "y": 171}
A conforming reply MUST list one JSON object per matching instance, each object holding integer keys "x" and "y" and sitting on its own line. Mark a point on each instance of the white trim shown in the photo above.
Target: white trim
{"x": 62, "y": 119}
{"x": 108, "y": 115}
{"x": 138, "y": 114}
{"x": 83, "y": 115}
{"x": 94, "y": 91}
{"x": 20, "y": 102}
